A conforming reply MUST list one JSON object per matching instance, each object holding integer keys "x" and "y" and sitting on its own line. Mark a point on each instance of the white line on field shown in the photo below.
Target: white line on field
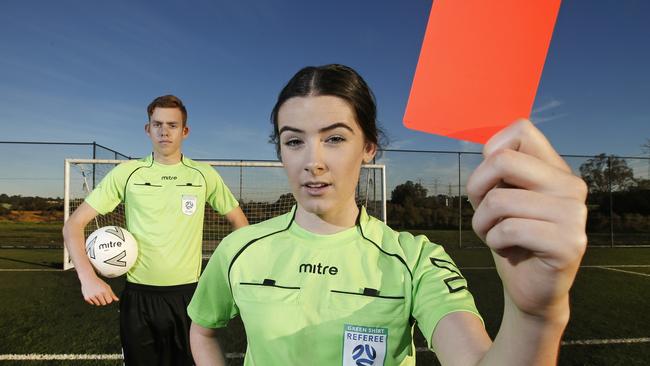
{"x": 585, "y": 266}
{"x": 590, "y": 342}
{"x": 30, "y": 270}
{"x": 118, "y": 356}
{"x": 37, "y": 356}
{"x": 620, "y": 270}
{"x": 585, "y": 342}
{"x": 616, "y": 265}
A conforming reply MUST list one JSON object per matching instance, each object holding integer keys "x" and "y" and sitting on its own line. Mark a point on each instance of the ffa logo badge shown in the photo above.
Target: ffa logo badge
{"x": 189, "y": 204}
{"x": 364, "y": 346}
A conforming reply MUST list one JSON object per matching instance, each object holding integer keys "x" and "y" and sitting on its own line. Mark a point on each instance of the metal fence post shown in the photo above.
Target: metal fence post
{"x": 241, "y": 178}
{"x": 611, "y": 201}
{"x": 94, "y": 157}
{"x": 460, "y": 208}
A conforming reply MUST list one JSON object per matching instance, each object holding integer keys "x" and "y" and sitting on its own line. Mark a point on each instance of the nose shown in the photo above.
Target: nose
{"x": 315, "y": 164}
{"x": 164, "y": 131}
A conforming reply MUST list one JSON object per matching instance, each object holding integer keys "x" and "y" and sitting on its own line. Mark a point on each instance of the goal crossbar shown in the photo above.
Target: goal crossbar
{"x": 260, "y": 187}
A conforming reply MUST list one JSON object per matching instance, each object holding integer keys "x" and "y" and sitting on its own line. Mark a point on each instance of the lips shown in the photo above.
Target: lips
{"x": 316, "y": 188}
{"x": 315, "y": 185}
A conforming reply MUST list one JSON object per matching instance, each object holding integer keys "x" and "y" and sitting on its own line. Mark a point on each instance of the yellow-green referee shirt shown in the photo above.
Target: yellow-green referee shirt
{"x": 164, "y": 208}
{"x": 350, "y": 298}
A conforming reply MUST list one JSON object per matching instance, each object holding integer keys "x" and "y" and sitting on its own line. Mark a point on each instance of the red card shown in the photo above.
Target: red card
{"x": 480, "y": 65}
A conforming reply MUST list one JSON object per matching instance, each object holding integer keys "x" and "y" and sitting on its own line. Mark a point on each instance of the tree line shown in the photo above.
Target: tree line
{"x": 28, "y": 203}
{"x": 614, "y": 194}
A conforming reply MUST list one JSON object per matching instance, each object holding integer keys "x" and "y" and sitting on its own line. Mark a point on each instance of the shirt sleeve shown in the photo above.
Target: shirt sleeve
{"x": 108, "y": 193}
{"x": 213, "y": 305}
{"x": 438, "y": 288}
{"x": 218, "y": 194}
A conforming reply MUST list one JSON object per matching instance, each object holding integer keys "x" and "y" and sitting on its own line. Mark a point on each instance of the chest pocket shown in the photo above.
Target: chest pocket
{"x": 144, "y": 194}
{"x": 267, "y": 292}
{"x": 368, "y": 304}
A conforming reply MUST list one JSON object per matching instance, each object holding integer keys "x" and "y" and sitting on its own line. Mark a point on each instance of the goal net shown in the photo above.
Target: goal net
{"x": 260, "y": 187}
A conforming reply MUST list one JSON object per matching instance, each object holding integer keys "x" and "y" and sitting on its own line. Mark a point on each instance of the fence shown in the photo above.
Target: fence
{"x": 433, "y": 203}
{"x": 34, "y": 168}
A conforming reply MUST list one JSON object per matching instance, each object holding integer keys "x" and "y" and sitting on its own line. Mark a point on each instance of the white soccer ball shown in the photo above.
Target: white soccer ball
{"x": 112, "y": 250}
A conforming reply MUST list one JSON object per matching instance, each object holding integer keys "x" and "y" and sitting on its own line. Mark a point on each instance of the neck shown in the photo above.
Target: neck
{"x": 328, "y": 223}
{"x": 167, "y": 159}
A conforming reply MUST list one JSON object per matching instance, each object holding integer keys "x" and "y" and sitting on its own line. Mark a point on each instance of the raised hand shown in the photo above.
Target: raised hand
{"x": 530, "y": 210}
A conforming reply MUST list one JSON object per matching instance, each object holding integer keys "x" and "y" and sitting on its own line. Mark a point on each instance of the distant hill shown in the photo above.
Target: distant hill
{"x": 30, "y": 209}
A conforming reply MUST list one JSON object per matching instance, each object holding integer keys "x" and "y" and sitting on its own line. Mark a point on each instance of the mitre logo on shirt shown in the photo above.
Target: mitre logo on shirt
{"x": 188, "y": 205}
{"x": 364, "y": 346}
{"x": 168, "y": 177}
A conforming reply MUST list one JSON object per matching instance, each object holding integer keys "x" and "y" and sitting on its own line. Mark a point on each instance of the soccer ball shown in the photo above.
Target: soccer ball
{"x": 112, "y": 250}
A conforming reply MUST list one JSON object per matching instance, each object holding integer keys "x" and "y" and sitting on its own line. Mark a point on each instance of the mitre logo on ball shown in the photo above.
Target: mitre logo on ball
{"x": 112, "y": 250}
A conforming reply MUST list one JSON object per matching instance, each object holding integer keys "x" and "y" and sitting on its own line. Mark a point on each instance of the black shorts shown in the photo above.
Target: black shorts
{"x": 154, "y": 325}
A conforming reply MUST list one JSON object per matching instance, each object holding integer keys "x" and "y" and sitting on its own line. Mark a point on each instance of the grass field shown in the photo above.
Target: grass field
{"x": 49, "y": 235}
{"x": 43, "y": 312}
{"x": 31, "y": 234}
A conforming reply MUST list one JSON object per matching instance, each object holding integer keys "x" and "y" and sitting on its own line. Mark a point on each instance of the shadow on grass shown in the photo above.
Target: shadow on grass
{"x": 55, "y": 265}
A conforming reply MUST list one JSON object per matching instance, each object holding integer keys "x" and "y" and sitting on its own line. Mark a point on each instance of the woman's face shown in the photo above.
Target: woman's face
{"x": 322, "y": 148}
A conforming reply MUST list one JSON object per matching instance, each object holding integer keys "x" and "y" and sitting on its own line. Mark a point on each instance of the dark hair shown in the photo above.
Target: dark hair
{"x": 334, "y": 80}
{"x": 167, "y": 101}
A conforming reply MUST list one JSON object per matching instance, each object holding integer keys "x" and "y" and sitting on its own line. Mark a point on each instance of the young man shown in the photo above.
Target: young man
{"x": 164, "y": 195}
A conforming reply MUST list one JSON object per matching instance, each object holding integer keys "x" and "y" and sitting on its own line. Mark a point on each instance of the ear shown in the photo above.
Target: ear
{"x": 146, "y": 129}
{"x": 186, "y": 131}
{"x": 369, "y": 152}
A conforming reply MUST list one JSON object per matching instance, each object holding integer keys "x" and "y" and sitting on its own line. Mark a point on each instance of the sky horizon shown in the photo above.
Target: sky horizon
{"x": 82, "y": 72}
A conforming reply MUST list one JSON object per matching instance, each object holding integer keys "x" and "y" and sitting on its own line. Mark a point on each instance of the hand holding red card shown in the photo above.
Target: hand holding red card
{"x": 479, "y": 66}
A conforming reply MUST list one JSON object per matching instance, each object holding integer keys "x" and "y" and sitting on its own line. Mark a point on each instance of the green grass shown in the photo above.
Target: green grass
{"x": 49, "y": 234}
{"x": 31, "y": 234}
{"x": 43, "y": 312}
{"x": 604, "y": 239}
{"x": 31, "y": 258}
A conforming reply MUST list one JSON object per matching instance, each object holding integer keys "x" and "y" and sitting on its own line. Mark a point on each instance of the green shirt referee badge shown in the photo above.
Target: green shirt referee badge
{"x": 364, "y": 346}
{"x": 189, "y": 204}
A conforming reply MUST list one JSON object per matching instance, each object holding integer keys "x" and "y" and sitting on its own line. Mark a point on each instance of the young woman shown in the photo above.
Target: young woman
{"x": 326, "y": 284}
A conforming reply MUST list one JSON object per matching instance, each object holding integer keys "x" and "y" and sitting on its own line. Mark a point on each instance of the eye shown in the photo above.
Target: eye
{"x": 293, "y": 142}
{"x": 335, "y": 139}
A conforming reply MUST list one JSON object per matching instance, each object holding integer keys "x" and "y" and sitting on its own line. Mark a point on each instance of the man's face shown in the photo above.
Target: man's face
{"x": 166, "y": 131}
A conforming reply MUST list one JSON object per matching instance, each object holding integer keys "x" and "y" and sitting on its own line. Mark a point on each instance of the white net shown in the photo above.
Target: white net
{"x": 260, "y": 187}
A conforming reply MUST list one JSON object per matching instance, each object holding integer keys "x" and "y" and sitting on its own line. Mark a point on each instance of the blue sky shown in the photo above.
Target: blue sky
{"x": 84, "y": 71}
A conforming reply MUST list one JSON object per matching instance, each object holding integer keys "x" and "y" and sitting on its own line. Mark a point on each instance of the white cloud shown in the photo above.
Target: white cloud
{"x": 541, "y": 114}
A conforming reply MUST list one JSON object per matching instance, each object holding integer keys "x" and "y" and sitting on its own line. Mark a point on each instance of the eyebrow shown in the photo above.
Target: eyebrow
{"x": 162, "y": 122}
{"x": 333, "y": 126}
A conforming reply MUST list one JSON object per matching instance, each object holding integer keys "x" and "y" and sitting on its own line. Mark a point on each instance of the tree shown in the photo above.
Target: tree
{"x": 408, "y": 192}
{"x": 602, "y": 170}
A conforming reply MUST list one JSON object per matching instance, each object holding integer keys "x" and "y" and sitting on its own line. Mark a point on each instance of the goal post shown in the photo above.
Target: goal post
{"x": 261, "y": 187}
